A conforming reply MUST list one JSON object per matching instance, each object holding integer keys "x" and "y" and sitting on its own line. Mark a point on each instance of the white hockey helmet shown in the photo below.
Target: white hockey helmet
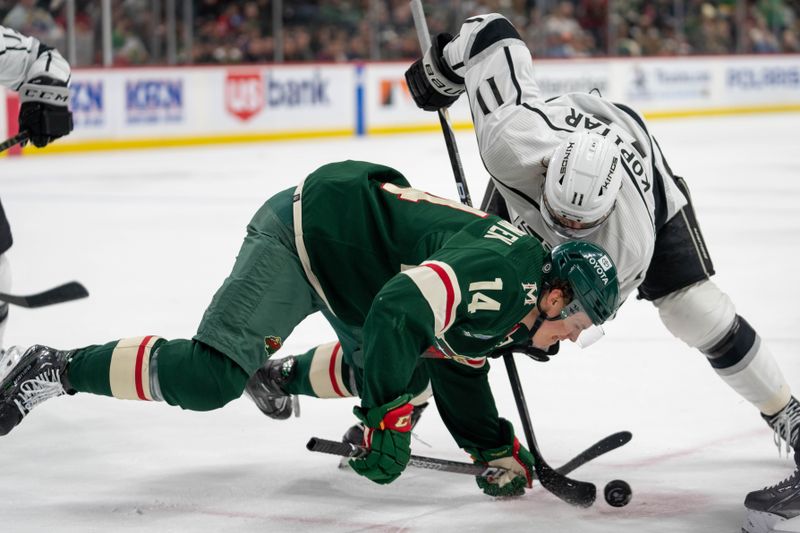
{"x": 582, "y": 182}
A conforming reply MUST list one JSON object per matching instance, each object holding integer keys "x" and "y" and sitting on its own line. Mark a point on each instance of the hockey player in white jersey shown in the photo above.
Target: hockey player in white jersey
{"x": 40, "y": 75}
{"x": 580, "y": 166}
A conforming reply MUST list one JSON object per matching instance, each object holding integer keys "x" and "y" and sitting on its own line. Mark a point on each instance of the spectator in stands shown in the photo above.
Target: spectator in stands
{"x": 562, "y": 31}
{"x": 28, "y": 18}
{"x": 346, "y": 30}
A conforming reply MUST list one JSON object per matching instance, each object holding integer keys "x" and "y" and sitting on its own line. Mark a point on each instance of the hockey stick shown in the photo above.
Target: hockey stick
{"x": 579, "y": 493}
{"x": 63, "y": 293}
{"x": 424, "y": 38}
{"x": 601, "y": 447}
{"x": 346, "y": 449}
{"x": 16, "y": 139}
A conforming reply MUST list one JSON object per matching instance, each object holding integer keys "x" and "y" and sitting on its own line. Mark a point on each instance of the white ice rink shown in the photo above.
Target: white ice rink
{"x": 152, "y": 234}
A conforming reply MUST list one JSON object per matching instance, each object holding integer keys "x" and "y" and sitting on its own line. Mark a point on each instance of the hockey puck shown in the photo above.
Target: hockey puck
{"x": 617, "y": 493}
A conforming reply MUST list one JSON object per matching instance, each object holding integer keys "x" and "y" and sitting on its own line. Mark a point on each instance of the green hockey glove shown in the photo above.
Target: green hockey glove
{"x": 514, "y": 457}
{"x": 387, "y": 434}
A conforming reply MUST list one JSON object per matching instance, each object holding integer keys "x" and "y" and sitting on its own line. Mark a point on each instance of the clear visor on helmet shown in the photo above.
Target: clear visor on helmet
{"x": 580, "y": 327}
{"x": 567, "y": 228}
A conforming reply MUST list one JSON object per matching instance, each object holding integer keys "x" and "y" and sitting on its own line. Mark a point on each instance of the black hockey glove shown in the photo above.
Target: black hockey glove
{"x": 432, "y": 83}
{"x": 530, "y": 350}
{"x": 44, "y": 112}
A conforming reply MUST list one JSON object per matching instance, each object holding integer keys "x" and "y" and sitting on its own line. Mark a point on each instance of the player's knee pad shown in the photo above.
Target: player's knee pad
{"x": 700, "y": 315}
{"x": 195, "y": 376}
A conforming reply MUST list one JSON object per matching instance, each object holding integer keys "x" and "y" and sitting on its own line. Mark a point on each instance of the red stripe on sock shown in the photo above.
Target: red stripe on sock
{"x": 139, "y": 364}
{"x": 332, "y": 369}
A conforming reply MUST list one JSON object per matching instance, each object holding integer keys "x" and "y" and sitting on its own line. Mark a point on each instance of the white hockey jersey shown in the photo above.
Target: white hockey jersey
{"x": 20, "y": 60}
{"x": 518, "y": 131}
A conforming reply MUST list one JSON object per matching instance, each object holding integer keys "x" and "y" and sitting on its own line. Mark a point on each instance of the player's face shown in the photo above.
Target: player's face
{"x": 552, "y": 331}
{"x": 564, "y": 321}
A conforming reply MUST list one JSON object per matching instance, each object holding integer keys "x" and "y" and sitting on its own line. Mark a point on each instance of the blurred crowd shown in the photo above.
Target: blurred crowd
{"x": 246, "y": 31}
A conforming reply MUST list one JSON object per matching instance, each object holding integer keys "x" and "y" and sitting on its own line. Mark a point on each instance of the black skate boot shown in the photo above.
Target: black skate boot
{"x": 770, "y": 508}
{"x": 265, "y": 388}
{"x": 29, "y": 378}
{"x": 786, "y": 425}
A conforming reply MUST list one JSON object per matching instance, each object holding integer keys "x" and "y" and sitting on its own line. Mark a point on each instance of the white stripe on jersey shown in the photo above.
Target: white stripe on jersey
{"x": 439, "y": 286}
{"x": 299, "y": 242}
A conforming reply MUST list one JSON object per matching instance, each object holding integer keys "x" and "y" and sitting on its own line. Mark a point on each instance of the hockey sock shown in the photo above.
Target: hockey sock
{"x": 181, "y": 372}
{"x": 745, "y": 363}
{"x": 322, "y": 372}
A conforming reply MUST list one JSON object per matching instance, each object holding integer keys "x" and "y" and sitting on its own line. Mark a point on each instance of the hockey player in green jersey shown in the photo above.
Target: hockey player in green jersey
{"x": 399, "y": 274}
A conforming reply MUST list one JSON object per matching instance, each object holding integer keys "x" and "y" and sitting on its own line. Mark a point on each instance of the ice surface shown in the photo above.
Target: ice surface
{"x": 152, "y": 234}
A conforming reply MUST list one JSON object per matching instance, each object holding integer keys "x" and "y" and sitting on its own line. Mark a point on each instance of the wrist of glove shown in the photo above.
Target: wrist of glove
{"x": 44, "y": 112}
{"x": 387, "y": 435}
{"x": 432, "y": 83}
{"x": 513, "y": 457}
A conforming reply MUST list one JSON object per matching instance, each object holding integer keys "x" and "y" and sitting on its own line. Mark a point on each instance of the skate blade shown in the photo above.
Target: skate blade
{"x": 762, "y": 522}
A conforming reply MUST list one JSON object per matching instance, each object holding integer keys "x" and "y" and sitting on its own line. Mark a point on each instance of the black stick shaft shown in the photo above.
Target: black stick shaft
{"x": 346, "y": 449}
{"x": 424, "y": 37}
{"x": 16, "y": 139}
{"x": 580, "y": 493}
{"x": 519, "y": 398}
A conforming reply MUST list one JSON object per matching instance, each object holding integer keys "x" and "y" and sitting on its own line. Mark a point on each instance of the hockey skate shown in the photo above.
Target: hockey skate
{"x": 774, "y": 509}
{"x": 786, "y": 425}
{"x": 265, "y": 388}
{"x": 28, "y": 378}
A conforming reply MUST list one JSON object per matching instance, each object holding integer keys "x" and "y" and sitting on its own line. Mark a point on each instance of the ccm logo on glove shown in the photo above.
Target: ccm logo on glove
{"x": 48, "y": 95}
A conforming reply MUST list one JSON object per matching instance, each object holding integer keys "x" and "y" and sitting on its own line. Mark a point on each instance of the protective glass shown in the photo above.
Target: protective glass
{"x": 569, "y": 228}
{"x": 578, "y": 323}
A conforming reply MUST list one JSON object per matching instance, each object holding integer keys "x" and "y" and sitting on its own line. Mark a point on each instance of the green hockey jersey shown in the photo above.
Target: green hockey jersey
{"x": 422, "y": 276}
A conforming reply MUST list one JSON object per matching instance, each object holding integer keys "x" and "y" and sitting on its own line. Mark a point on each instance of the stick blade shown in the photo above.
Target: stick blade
{"x": 603, "y": 446}
{"x": 63, "y": 293}
{"x": 572, "y": 491}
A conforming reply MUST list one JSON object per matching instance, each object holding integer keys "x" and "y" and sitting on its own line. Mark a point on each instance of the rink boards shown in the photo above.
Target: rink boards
{"x": 169, "y": 106}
